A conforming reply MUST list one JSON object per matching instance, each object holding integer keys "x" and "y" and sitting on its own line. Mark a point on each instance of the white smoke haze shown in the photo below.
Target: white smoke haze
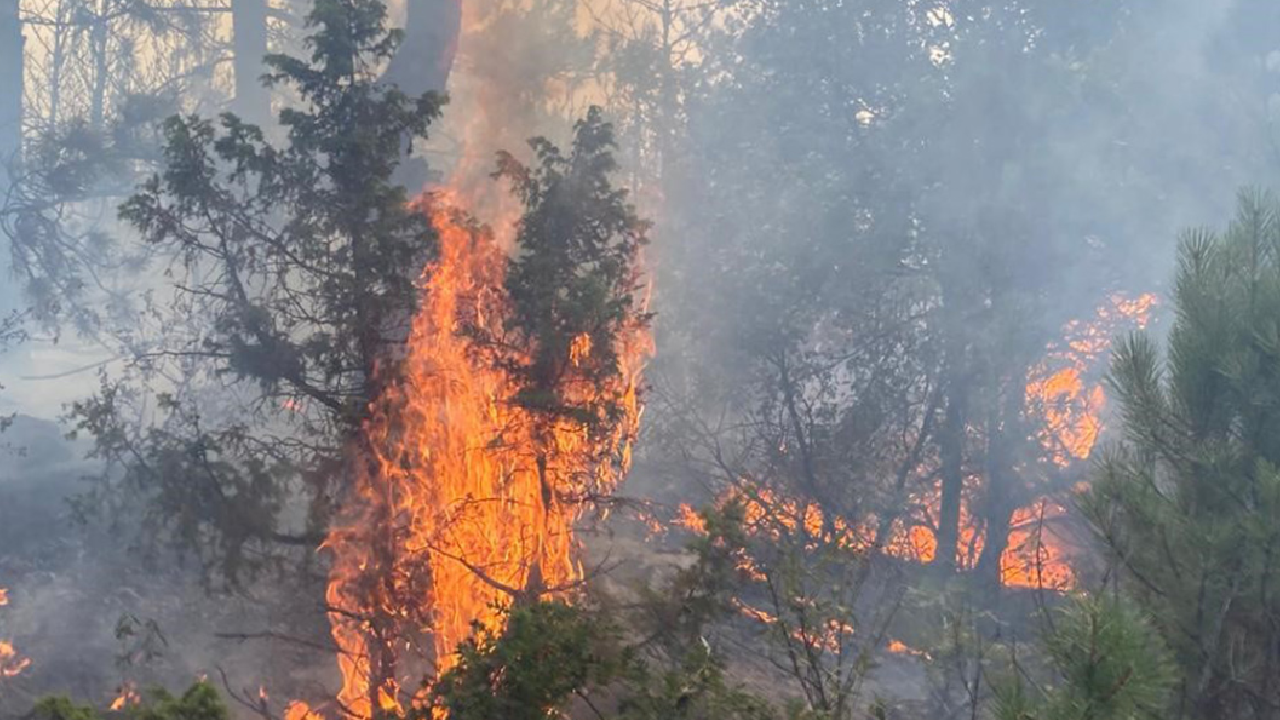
{"x": 802, "y": 161}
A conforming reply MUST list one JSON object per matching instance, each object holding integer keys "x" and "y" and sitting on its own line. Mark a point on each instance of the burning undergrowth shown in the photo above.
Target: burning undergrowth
{"x": 1064, "y": 409}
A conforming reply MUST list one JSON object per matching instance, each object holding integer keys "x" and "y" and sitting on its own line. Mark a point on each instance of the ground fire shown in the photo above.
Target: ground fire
{"x": 11, "y": 663}
{"x": 126, "y": 696}
{"x": 1064, "y": 394}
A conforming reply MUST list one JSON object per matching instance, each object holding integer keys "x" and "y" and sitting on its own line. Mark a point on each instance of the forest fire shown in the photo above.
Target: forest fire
{"x": 1057, "y": 392}
{"x": 457, "y": 521}
{"x": 1070, "y": 409}
{"x": 1065, "y": 406}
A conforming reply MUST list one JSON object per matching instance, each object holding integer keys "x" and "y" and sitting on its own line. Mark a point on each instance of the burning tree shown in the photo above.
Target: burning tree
{"x": 297, "y": 276}
{"x": 294, "y": 286}
{"x": 513, "y": 411}
{"x": 577, "y": 320}
{"x": 456, "y": 440}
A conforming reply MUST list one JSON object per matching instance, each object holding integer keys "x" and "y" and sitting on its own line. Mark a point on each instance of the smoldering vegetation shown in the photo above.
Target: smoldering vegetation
{"x": 890, "y": 255}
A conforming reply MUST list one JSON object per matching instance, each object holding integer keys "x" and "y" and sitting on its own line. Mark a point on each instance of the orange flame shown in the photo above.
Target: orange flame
{"x": 1070, "y": 413}
{"x": 465, "y": 502}
{"x": 127, "y": 695}
{"x": 1057, "y": 390}
{"x": 454, "y": 521}
{"x": 11, "y": 663}
{"x": 689, "y": 519}
{"x": 898, "y": 647}
{"x": 298, "y": 710}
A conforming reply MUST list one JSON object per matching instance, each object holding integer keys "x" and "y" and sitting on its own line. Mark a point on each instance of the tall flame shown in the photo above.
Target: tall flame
{"x": 466, "y": 500}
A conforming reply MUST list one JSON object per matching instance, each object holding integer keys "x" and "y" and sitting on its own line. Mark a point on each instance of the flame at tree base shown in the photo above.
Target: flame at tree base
{"x": 465, "y": 501}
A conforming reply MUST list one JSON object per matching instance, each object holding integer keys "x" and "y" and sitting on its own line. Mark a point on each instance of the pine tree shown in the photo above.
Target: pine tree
{"x": 298, "y": 276}
{"x": 1109, "y": 662}
{"x": 1187, "y": 504}
{"x": 574, "y": 282}
{"x": 547, "y": 652}
{"x": 552, "y": 654}
{"x": 574, "y": 291}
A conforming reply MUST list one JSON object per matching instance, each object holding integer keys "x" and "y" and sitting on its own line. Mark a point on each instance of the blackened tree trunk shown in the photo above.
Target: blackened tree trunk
{"x": 1004, "y": 493}
{"x": 955, "y": 422}
{"x": 951, "y": 445}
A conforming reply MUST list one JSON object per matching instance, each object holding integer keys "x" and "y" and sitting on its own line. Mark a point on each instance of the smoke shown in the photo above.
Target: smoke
{"x": 1126, "y": 126}
{"x": 813, "y": 166}
{"x": 91, "y": 612}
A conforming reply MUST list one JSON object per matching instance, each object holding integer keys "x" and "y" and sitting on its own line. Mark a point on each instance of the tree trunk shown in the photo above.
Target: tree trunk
{"x": 422, "y": 64}
{"x": 249, "y": 27}
{"x": 535, "y": 584}
{"x": 667, "y": 110}
{"x": 57, "y": 59}
{"x": 425, "y": 59}
{"x": 100, "y": 36}
{"x": 951, "y": 442}
{"x": 953, "y": 433}
{"x": 11, "y": 86}
{"x": 1003, "y": 495}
